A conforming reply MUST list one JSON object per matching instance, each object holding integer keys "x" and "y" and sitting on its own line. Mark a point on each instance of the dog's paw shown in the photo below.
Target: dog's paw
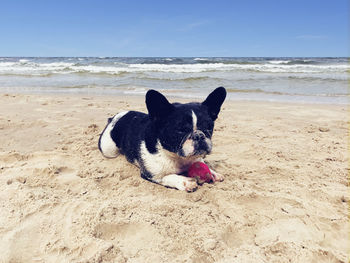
{"x": 189, "y": 184}
{"x": 179, "y": 182}
{"x": 217, "y": 177}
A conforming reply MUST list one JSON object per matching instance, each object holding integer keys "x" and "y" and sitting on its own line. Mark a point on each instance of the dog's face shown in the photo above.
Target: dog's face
{"x": 185, "y": 129}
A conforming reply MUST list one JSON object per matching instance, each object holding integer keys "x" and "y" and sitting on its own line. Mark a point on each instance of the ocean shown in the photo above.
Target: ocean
{"x": 309, "y": 80}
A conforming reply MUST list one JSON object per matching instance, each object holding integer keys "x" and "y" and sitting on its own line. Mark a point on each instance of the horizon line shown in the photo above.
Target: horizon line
{"x": 175, "y": 57}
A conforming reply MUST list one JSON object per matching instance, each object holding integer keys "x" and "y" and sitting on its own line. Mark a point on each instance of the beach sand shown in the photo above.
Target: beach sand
{"x": 284, "y": 199}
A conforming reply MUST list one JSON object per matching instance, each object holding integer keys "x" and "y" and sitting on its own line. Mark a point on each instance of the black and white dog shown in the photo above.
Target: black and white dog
{"x": 166, "y": 141}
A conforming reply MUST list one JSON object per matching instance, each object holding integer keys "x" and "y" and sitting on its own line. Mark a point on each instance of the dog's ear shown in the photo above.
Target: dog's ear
{"x": 214, "y": 102}
{"x": 157, "y": 105}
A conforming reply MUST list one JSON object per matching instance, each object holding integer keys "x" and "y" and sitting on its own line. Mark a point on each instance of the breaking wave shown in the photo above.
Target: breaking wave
{"x": 24, "y": 67}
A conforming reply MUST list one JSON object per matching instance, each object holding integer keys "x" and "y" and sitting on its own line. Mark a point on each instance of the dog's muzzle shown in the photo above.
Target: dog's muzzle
{"x": 196, "y": 144}
{"x": 197, "y": 136}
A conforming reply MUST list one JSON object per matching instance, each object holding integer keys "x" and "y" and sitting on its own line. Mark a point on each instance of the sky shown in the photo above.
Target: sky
{"x": 190, "y": 28}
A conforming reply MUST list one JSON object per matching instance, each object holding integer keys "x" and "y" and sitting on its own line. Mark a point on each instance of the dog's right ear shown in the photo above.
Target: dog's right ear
{"x": 214, "y": 102}
{"x": 157, "y": 105}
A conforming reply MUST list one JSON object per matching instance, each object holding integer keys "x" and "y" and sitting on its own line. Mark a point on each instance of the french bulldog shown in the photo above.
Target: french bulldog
{"x": 165, "y": 142}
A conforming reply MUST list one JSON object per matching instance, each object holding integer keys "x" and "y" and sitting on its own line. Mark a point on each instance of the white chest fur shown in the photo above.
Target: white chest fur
{"x": 164, "y": 162}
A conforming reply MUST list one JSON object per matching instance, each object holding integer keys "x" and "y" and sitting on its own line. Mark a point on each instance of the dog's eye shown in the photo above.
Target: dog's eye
{"x": 181, "y": 132}
{"x": 183, "y": 129}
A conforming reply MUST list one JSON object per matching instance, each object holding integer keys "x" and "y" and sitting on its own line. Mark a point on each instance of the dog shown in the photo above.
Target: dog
{"x": 165, "y": 142}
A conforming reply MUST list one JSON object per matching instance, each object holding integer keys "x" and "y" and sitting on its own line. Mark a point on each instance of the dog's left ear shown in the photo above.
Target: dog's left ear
{"x": 214, "y": 102}
{"x": 157, "y": 105}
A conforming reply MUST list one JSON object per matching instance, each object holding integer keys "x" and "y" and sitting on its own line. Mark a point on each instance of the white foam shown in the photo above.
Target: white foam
{"x": 278, "y": 66}
{"x": 179, "y": 68}
{"x": 279, "y": 61}
{"x": 7, "y": 64}
{"x": 23, "y": 61}
{"x": 98, "y": 69}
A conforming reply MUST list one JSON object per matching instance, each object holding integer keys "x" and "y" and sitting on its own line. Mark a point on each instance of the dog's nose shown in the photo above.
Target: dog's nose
{"x": 197, "y": 136}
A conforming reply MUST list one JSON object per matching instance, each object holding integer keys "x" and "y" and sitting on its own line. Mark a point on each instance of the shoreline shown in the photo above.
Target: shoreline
{"x": 176, "y": 98}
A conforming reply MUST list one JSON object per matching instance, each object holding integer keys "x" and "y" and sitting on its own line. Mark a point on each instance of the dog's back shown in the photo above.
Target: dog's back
{"x": 123, "y": 134}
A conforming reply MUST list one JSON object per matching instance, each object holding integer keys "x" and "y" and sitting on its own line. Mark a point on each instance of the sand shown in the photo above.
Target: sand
{"x": 284, "y": 199}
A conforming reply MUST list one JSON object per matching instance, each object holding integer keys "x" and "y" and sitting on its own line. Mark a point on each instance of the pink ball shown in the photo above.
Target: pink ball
{"x": 201, "y": 172}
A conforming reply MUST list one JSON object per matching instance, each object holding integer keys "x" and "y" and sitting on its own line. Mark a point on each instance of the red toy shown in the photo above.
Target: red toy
{"x": 201, "y": 172}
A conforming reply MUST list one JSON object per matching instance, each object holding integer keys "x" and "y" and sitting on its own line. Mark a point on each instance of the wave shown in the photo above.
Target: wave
{"x": 185, "y": 78}
{"x": 79, "y": 66}
{"x": 165, "y": 61}
{"x": 294, "y": 62}
{"x": 195, "y": 68}
{"x": 23, "y": 61}
{"x": 303, "y": 62}
{"x": 278, "y": 62}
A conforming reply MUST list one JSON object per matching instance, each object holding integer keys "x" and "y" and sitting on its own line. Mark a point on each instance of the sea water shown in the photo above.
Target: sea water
{"x": 315, "y": 80}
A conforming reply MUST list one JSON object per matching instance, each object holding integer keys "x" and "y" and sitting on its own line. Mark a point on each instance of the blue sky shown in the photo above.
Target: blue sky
{"x": 174, "y": 28}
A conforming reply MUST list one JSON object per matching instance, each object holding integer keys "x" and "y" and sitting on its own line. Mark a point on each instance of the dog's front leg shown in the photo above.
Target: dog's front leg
{"x": 179, "y": 182}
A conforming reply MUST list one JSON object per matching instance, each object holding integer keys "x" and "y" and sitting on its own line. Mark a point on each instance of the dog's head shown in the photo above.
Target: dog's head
{"x": 185, "y": 129}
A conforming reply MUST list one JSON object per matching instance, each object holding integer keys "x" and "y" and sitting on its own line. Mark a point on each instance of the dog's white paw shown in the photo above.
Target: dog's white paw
{"x": 217, "y": 177}
{"x": 179, "y": 182}
{"x": 190, "y": 184}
